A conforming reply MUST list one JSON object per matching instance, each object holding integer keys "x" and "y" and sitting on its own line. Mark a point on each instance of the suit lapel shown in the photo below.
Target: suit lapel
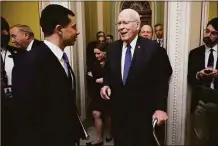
{"x": 73, "y": 78}
{"x": 118, "y": 59}
{"x": 53, "y": 60}
{"x": 202, "y": 57}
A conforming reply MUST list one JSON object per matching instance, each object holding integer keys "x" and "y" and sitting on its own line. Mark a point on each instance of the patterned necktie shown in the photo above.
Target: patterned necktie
{"x": 210, "y": 63}
{"x": 67, "y": 66}
{"x": 127, "y": 63}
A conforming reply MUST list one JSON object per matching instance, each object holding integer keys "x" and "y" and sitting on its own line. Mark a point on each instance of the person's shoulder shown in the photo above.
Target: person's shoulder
{"x": 38, "y": 42}
{"x": 197, "y": 50}
{"x": 38, "y": 53}
{"x": 146, "y": 41}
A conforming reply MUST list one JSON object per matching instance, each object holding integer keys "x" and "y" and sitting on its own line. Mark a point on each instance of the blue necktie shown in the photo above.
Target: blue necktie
{"x": 127, "y": 63}
{"x": 67, "y": 65}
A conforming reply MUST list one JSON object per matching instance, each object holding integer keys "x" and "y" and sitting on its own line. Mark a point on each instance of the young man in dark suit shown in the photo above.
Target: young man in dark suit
{"x": 203, "y": 79}
{"x": 46, "y": 112}
{"x": 136, "y": 82}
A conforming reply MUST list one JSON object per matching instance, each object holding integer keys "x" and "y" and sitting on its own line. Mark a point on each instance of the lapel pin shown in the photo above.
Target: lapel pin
{"x": 138, "y": 46}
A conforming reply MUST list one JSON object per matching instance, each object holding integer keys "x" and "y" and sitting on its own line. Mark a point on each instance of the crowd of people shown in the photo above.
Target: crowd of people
{"x": 127, "y": 80}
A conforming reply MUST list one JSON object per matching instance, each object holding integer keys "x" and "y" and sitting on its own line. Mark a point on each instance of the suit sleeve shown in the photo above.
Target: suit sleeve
{"x": 192, "y": 70}
{"x": 163, "y": 71}
{"x": 106, "y": 73}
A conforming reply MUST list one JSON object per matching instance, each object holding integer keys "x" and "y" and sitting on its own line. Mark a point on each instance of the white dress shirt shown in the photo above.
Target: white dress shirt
{"x": 160, "y": 41}
{"x": 9, "y": 64}
{"x": 57, "y": 52}
{"x": 207, "y": 53}
{"x": 133, "y": 45}
{"x": 30, "y": 45}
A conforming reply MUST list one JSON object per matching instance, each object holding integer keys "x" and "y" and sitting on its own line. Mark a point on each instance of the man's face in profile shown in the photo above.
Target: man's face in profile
{"x": 70, "y": 32}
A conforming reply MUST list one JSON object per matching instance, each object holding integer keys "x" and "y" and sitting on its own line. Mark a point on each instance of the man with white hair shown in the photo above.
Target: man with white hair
{"x": 23, "y": 37}
{"x": 136, "y": 82}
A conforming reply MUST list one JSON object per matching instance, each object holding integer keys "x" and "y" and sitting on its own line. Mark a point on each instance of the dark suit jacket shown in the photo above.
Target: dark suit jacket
{"x": 146, "y": 87}
{"x": 197, "y": 63}
{"x": 36, "y": 43}
{"x": 44, "y": 101}
{"x": 7, "y": 113}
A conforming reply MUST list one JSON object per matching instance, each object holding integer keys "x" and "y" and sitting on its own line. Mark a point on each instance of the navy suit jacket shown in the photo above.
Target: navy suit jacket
{"x": 46, "y": 113}
{"x": 146, "y": 88}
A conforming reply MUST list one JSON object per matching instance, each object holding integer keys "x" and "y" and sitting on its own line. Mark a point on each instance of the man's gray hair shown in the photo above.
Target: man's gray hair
{"x": 133, "y": 14}
{"x": 24, "y": 28}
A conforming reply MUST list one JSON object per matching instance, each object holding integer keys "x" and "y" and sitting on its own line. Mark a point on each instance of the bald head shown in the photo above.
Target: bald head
{"x": 146, "y": 31}
{"x": 128, "y": 24}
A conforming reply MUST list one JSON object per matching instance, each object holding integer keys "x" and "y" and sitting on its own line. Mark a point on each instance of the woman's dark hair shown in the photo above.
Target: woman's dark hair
{"x": 101, "y": 46}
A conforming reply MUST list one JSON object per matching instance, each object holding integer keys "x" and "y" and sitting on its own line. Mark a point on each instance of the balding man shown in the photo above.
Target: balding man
{"x": 146, "y": 31}
{"x": 23, "y": 37}
{"x": 138, "y": 85}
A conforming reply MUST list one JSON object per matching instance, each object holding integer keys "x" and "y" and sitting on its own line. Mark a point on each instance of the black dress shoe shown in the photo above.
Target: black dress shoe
{"x": 108, "y": 139}
{"x": 100, "y": 143}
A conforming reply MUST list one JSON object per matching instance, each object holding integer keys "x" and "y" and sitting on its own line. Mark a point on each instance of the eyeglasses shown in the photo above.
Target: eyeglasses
{"x": 124, "y": 22}
{"x": 213, "y": 33}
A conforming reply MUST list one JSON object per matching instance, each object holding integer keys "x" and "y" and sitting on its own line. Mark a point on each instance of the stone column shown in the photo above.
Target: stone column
{"x": 178, "y": 48}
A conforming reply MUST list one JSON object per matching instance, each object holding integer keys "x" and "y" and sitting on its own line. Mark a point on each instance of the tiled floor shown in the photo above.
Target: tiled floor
{"x": 91, "y": 131}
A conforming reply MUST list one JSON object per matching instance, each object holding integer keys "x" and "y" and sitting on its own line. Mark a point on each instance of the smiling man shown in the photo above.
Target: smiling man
{"x": 146, "y": 31}
{"x": 45, "y": 93}
{"x": 136, "y": 82}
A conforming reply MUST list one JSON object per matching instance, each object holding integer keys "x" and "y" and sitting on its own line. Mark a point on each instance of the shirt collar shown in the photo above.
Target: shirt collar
{"x": 133, "y": 43}
{"x": 30, "y": 45}
{"x": 55, "y": 49}
{"x": 215, "y": 48}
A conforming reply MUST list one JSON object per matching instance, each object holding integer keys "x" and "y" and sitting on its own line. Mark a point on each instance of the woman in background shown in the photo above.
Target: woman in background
{"x": 100, "y": 107}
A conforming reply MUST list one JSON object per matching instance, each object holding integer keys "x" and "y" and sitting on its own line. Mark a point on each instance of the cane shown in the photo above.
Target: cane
{"x": 154, "y": 123}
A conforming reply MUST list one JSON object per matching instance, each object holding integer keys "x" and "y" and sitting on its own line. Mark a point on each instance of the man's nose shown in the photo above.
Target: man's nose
{"x": 12, "y": 40}
{"x": 78, "y": 32}
{"x": 209, "y": 34}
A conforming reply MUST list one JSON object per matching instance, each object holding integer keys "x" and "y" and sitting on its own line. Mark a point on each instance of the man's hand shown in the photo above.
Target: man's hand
{"x": 161, "y": 116}
{"x": 99, "y": 80}
{"x": 214, "y": 73}
{"x": 105, "y": 92}
{"x": 204, "y": 73}
{"x": 90, "y": 74}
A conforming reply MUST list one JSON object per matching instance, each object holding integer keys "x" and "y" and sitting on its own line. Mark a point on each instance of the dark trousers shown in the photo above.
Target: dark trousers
{"x": 7, "y": 122}
{"x": 133, "y": 135}
{"x": 204, "y": 124}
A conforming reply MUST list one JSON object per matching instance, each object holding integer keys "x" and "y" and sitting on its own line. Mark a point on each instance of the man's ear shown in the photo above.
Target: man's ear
{"x": 58, "y": 29}
{"x": 138, "y": 26}
{"x": 26, "y": 35}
